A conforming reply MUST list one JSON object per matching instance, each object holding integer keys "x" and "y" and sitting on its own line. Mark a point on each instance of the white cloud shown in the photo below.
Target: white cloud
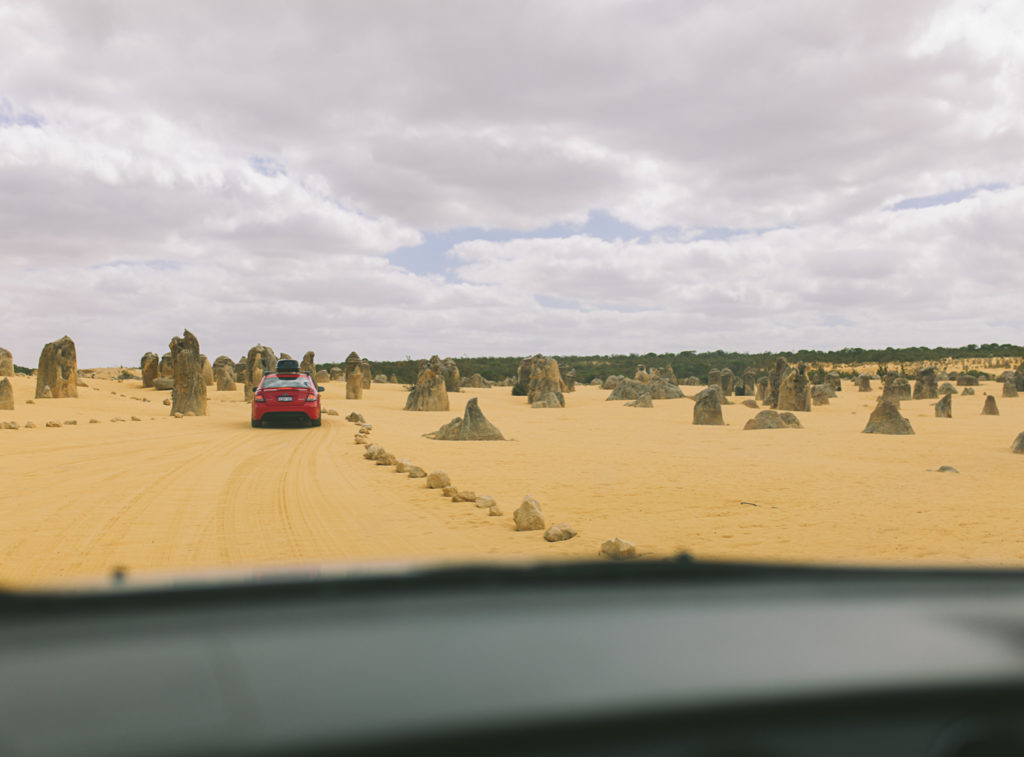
{"x": 244, "y": 169}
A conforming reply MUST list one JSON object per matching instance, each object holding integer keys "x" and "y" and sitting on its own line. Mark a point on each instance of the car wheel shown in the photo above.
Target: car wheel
{"x": 256, "y": 423}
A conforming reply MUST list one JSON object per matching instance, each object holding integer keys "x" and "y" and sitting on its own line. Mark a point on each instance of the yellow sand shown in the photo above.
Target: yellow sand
{"x": 170, "y": 495}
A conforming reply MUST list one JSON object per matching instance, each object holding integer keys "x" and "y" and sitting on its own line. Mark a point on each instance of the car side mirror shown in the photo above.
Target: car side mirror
{"x": 320, "y": 389}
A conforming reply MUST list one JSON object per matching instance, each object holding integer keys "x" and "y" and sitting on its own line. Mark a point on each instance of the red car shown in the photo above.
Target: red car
{"x": 286, "y": 394}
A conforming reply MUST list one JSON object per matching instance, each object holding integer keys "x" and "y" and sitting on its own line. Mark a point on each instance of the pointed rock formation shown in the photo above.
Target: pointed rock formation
{"x": 166, "y": 366}
{"x": 864, "y": 383}
{"x": 207, "y": 370}
{"x": 452, "y": 379}
{"x": 6, "y": 394}
{"x": 58, "y": 369}
{"x": 6, "y": 362}
{"x": 258, "y": 361}
{"x": 762, "y": 390}
{"x": 666, "y": 373}
{"x": 707, "y": 409}
{"x": 989, "y": 408}
{"x": 429, "y": 393}
{"x": 521, "y": 386}
{"x": 1010, "y": 388}
{"x": 926, "y": 387}
{"x": 308, "y": 364}
{"x": 886, "y": 419}
{"x": 944, "y": 407}
{"x": 545, "y": 379}
{"x": 775, "y": 376}
{"x": 353, "y": 377}
{"x": 472, "y": 426}
{"x": 1018, "y": 444}
{"x": 728, "y": 382}
{"x": 224, "y": 374}
{"x": 367, "y": 373}
{"x": 795, "y": 391}
{"x": 189, "y": 392}
{"x": 835, "y": 380}
{"x": 820, "y": 394}
{"x": 749, "y": 382}
{"x": 966, "y": 379}
{"x": 150, "y": 365}
{"x": 714, "y": 377}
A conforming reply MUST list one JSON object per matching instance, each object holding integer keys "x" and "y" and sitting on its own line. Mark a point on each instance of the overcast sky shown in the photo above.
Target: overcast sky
{"x": 505, "y": 178}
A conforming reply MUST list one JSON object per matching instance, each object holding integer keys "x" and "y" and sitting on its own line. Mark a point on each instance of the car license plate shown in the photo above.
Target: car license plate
{"x": 285, "y": 398}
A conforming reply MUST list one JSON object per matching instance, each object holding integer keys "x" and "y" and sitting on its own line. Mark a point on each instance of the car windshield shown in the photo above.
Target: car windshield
{"x": 286, "y": 382}
{"x": 579, "y": 280}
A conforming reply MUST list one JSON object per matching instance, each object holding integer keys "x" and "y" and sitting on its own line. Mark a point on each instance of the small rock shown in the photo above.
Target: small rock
{"x": 416, "y": 471}
{"x": 117, "y": 419}
{"x": 372, "y": 451}
{"x": 94, "y": 420}
{"x": 10, "y": 425}
{"x": 528, "y": 516}
{"x": 53, "y": 424}
{"x": 179, "y": 415}
{"x": 618, "y": 549}
{"x": 167, "y": 402}
{"x": 466, "y": 496}
{"x": 449, "y": 491}
{"x": 30, "y": 424}
{"x": 332, "y": 411}
{"x": 30, "y": 402}
{"x": 485, "y": 502}
{"x": 561, "y": 532}
{"x": 71, "y": 423}
{"x": 967, "y": 391}
{"x": 136, "y": 418}
{"x": 386, "y": 458}
{"x": 750, "y": 403}
{"x": 946, "y": 469}
{"x": 494, "y": 510}
{"x": 354, "y": 417}
{"x": 402, "y": 465}
{"x": 438, "y": 480}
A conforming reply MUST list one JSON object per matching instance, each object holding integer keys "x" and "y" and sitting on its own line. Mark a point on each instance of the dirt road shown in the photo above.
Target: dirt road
{"x": 168, "y": 496}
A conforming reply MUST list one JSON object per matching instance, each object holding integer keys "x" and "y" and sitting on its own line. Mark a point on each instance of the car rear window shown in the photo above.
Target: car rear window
{"x": 286, "y": 382}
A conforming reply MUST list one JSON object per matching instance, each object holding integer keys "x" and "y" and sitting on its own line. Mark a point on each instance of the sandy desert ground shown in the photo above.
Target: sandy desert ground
{"x": 168, "y": 496}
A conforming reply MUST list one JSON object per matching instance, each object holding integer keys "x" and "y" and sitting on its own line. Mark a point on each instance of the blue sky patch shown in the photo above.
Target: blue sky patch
{"x": 944, "y": 198}
{"x": 264, "y": 164}
{"x": 429, "y": 257}
{"x": 11, "y": 117}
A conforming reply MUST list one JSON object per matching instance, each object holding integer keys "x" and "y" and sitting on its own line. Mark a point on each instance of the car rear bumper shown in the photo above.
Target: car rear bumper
{"x": 291, "y": 413}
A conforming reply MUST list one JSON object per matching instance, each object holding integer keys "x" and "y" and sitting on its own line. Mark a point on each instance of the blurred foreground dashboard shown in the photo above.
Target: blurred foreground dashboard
{"x": 675, "y": 658}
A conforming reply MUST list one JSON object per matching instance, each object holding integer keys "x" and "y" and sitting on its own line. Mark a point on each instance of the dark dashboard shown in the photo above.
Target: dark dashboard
{"x": 674, "y": 658}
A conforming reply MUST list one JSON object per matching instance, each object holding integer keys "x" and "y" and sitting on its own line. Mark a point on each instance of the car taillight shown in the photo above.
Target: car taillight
{"x": 258, "y": 397}
{"x": 311, "y": 397}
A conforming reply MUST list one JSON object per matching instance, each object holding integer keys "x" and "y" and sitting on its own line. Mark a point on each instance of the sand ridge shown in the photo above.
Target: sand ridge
{"x": 169, "y": 495}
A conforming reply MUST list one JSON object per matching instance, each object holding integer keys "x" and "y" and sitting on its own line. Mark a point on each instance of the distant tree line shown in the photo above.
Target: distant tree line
{"x": 691, "y": 363}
